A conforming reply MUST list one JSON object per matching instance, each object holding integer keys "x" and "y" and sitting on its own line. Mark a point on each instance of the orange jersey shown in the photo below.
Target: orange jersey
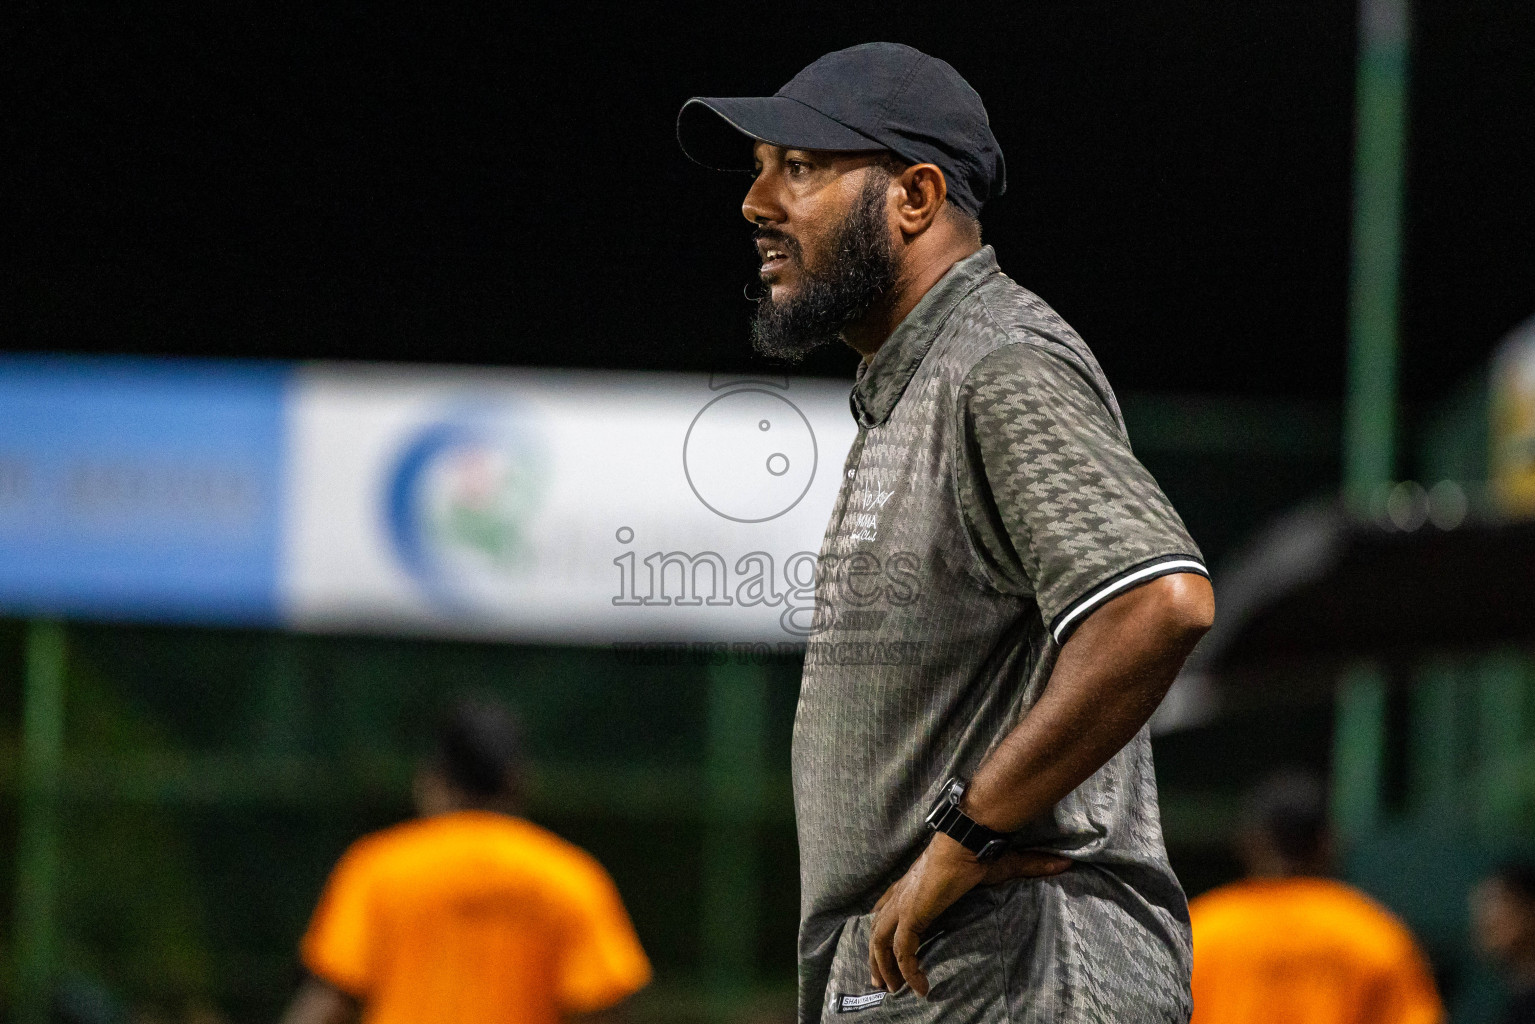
{"x": 1305, "y": 951}
{"x": 473, "y": 916}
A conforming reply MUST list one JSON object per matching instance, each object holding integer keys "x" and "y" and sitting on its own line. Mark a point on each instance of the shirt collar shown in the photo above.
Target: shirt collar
{"x": 881, "y": 381}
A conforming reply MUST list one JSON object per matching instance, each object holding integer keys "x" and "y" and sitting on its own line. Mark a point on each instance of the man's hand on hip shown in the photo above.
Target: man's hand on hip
{"x": 944, "y": 873}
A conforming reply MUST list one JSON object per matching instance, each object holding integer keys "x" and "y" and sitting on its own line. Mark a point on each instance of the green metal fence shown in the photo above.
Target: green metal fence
{"x": 244, "y": 762}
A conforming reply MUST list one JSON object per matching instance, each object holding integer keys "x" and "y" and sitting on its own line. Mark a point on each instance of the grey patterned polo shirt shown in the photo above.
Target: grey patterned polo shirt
{"x": 989, "y": 503}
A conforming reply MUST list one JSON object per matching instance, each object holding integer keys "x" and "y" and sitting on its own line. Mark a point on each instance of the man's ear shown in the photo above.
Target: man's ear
{"x": 922, "y": 193}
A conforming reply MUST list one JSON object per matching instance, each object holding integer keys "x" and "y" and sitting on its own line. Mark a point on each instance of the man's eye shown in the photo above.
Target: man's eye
{"x": 796, "y": 166}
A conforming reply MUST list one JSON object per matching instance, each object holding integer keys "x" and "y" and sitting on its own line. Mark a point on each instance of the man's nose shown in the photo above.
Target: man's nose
{"x": 759, "y": 206}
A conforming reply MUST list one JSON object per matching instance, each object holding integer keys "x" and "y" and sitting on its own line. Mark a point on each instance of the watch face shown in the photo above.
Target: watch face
{"x": 992, "y": 850}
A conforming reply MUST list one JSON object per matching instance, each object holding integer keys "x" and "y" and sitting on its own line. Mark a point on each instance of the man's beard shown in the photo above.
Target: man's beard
{"x": 858, "y": 268}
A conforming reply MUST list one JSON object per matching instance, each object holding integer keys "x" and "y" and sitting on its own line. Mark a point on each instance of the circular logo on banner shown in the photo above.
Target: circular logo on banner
{"x": 749, "y": 455}
{"x": 460, "y": 499}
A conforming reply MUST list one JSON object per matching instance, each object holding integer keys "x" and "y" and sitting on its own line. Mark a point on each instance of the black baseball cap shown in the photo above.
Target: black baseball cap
{"x": 875, "y": 96}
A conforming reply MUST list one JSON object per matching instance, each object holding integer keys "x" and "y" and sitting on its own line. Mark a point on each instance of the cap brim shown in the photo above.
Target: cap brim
{"x": 718, "y": 131}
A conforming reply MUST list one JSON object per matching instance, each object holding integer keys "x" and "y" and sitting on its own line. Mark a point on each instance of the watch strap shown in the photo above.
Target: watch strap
{"x": 946, "y": 817}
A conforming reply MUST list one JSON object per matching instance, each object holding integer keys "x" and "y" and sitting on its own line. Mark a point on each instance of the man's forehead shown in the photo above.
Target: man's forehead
{"x": 764, "y": 151}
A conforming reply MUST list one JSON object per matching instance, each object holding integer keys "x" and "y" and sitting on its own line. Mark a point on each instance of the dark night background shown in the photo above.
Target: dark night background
{"x": 495, "y": 184}
{"x": 500, "y": 184}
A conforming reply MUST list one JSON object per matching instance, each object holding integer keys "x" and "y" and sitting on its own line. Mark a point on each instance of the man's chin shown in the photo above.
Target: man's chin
{"x": 783, "y": 343}
{"x": 779, "y": 290}
{"x": 788, "y": 352}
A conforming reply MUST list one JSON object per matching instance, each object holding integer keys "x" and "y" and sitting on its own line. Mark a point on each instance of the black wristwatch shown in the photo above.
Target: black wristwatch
{"x": 946, "y": 817}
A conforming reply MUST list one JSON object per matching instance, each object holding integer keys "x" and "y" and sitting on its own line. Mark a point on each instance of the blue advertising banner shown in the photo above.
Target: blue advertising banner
{"x": 140, "y": 488}
{"x": 538, "y": 506}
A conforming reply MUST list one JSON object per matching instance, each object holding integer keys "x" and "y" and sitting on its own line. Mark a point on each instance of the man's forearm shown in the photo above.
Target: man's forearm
{"x": 1108, "y": 679}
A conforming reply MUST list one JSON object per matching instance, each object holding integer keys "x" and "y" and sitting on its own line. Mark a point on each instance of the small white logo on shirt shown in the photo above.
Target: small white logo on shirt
{"x": 866, "y": 522}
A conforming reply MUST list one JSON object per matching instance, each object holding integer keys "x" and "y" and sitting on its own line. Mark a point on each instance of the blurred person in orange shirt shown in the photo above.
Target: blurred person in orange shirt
{"x": 1503, "y": 920}
{"x": 1288, "y": 945}
{"x": 469, "y": 913}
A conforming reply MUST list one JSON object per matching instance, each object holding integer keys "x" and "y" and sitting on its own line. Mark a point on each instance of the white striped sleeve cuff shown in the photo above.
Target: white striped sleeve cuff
{"x": 1073, "y": 614}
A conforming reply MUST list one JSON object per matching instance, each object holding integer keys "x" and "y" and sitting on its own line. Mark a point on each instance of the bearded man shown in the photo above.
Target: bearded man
{"x": 977, "y": 814}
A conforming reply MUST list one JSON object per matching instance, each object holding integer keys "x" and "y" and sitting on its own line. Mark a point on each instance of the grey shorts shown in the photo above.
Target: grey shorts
{"x": 1077, "y": 948}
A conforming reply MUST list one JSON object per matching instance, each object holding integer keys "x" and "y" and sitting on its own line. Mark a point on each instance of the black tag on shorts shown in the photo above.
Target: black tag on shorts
{"x": 852, "y": 1004}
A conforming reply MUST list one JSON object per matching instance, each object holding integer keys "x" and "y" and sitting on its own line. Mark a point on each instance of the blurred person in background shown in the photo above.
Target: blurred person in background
{"x": 468, "y": 913}
{"x": 1288, "y": 945}
{"x": 1503, "y": 920}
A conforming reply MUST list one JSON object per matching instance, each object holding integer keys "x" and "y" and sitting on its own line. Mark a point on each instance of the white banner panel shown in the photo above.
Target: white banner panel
{"x": 559, "y": 506}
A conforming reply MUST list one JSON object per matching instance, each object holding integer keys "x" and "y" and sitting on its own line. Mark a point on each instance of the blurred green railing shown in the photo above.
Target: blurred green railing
{"x": 730, "y": 793}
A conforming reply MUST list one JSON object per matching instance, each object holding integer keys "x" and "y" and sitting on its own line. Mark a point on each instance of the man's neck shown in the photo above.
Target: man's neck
{"x": 922, "y": 271}
{"x": 493, "y": 805}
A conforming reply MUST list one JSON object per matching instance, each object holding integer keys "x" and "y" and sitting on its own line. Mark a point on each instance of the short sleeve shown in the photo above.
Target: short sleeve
{"x": 600, "y": 961}
{"x": 337, "y": 946}
{"x": 1052, "y": 497}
